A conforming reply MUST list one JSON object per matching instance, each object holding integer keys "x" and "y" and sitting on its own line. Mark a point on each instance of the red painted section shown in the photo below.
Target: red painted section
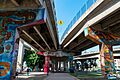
{"x": 41, "y": 53}
{"x": 46, "y": 65}
{"x": 35, "y": 23}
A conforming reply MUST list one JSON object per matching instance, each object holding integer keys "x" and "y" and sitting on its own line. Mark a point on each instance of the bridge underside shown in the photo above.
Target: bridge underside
{"x": 110, "y": 24}
{"x": 31, "y": 34}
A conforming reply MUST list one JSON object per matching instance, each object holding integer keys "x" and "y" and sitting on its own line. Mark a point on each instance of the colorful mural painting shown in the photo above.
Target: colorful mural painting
{"x": 9, "y": 21}
{"x": 106, "y": 40}
{"x": 107, "y": 60}
{"x": 46, "y": 65}
{"x": 7, "y": 41}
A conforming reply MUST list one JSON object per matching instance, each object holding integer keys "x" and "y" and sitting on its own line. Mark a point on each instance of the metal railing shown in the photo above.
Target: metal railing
{"x": 83, "y": 9}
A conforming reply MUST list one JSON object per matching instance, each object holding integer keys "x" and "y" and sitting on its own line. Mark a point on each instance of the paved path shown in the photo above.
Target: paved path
{"x": 42, "y": 76}
{"x": 60, "y": 76}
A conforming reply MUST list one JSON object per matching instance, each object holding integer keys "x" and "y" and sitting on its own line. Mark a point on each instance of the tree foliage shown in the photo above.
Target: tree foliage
{"x": 32, "y": 59}
{"x": 40, "y": 61}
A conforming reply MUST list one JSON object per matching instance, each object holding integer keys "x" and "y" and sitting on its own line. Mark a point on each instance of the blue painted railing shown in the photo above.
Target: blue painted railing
{"x": 83, "y": 9}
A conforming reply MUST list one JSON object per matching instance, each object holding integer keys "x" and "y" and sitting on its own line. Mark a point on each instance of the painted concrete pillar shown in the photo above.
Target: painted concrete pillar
{"x": 71, "y": 64}
{"x": 46, "y": 65}
{"x": 59, "y": 68}
{"x": 56, "y": 65}
{"x": 64, "y": 65}
{"x": 52, "y": 67}
{"x": 67, "y": 66}
{"x": 106, "y": 54}
{"x": 107, "y": 60}
{"x": 82, "y": 65}
{"x": 47, "y": 61}
{"x": 8, "y": 47}
{"x": 9, "y": 38}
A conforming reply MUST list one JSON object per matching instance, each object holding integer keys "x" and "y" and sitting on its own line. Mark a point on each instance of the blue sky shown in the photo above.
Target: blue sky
{"x": 66, "y": 10}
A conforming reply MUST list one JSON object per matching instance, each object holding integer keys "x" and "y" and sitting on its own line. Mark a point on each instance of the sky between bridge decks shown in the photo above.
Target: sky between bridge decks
{"x": 66, "y": 11}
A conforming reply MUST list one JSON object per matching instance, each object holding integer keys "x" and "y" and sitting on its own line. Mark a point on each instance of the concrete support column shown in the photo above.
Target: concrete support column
{"x": 64, "y": 65}
{"x": 59, "y": 68}
{"x": 8, "y": 49}
{"x": 107, "y": 60}
{"x": 67, "y": 67}
{"x": 20, "y": 55}
{"x": 71, "y": 64}
{"x": 75, "y": 63}
{"x": 82, "y": 66}
{"x": 68, "y": 64}
{"x": 56, "y": 65}
{"x": 52, "y": 69}
{"x": 46, "y": 65}
{"x": 106, "y": 53}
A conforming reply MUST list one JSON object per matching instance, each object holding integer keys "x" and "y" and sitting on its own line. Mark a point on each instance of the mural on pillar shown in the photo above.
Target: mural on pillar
{"x": 106, "y": 53}
{"x": 9, "y": 21}
{"x": 8, "y": 27}
{"x": 107, "y": 60}
{"x": 7, "y": 36}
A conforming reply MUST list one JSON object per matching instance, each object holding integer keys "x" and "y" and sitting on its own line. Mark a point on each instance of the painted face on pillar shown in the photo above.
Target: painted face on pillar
{"x": 4, "y": 68}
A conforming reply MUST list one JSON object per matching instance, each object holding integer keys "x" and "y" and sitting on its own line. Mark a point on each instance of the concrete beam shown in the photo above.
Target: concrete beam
{"x": 84, "y": 44}
{"x": 37, "y": 2}
{"x": 42, "y": 37}
{"x": 15, "y": 3}
{"x": 32, "y": 39}
{"x": 81, "y": 41}
{"x": 50, "y": 29}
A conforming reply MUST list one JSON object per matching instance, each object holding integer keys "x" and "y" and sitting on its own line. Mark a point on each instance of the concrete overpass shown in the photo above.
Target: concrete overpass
{"x": 103, "y": 15}
{"x": 99, "y": 25}
{"x": 42, "y": 34}
{"x": 38, "y": 26}
{"x": 32, "y": 20}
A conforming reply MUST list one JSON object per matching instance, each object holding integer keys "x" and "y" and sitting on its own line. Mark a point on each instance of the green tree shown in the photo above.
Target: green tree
{"x": 32, "y": 59}
{"x": 40, "y": 61}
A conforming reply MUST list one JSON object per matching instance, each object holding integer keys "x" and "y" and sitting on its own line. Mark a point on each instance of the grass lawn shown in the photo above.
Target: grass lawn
{"x": 80, "y": 75}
